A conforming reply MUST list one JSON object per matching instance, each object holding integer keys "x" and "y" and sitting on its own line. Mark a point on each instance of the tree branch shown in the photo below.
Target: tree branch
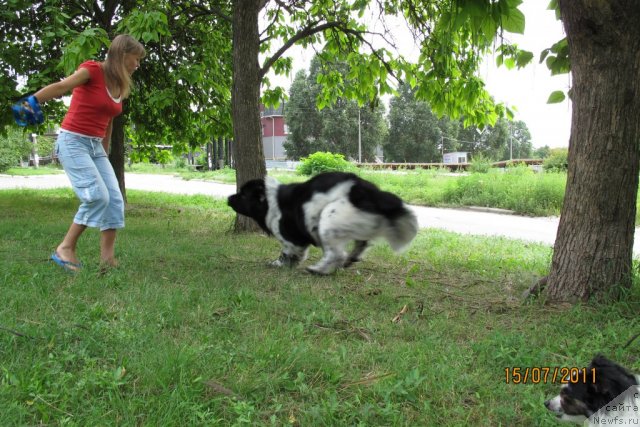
{"x": 308, "y": 31}
{"x": 203, "y": 11}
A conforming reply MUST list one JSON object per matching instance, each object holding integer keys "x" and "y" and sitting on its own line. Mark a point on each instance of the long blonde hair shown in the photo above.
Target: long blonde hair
{"x": 114, "y": 70}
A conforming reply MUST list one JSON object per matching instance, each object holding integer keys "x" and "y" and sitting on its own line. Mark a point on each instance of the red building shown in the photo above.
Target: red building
{"x": 274, "y": 132}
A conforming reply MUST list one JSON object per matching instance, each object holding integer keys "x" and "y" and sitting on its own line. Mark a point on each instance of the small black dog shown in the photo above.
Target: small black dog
{"x": 588, "y": 395}
{"x": 330, "y": 210}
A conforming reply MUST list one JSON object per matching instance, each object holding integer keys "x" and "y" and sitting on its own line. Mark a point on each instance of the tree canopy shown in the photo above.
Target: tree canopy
{"x": 181, "y": 91}
{"x": 338, "y": 128}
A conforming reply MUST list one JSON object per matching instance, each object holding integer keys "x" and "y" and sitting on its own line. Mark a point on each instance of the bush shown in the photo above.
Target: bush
{"x": 480, "y": 163}
{"x": 202, "y": 160}
{"x": 164, "y": 157}
{"x": 557, "y": 161}
{"x": 180, "y": 163}
{"x": 13, "y": 146}
{"x": 324, "y": 162}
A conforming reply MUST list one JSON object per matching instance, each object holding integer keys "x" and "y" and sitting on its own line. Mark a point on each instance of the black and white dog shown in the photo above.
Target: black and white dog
{"x": 593, "y": 395}
{"x": 329, "y": 211}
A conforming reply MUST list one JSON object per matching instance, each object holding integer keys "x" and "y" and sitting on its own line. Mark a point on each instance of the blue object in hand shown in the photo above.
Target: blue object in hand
{"x": 27, "y": 111}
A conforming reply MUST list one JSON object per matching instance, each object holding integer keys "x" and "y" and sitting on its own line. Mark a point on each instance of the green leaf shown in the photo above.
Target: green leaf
{"x": 556, "y": 97}
{"x": 513, "y": 22}
{"x": 544, "y": 54}
{"x": 524, "y": 58}
{"x": 510, "y": 63}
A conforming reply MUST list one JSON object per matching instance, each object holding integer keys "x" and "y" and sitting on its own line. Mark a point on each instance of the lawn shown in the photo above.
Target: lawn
{"x": 195, "y": 329}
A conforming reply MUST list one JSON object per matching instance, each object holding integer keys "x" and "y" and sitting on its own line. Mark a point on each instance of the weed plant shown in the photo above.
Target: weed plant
{"x": 195, "y": 329}
{"x": 517, "y": 188}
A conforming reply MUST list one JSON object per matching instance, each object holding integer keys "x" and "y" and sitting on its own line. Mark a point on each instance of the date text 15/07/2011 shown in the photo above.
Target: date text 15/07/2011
{"x": 549, "y": 374}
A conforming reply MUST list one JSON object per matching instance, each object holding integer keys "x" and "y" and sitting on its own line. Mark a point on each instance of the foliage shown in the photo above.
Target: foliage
{"x": 180, "y": 162}
{"x": 506, "y": 140}
{"x": 184, "y": 84}
{"x": 14, "y": 146}
{"x": 155, "y": 343}
{"x": 334, "y": 128}
{"x": 542, "y": 152}
{"x": 139, "y": 156}
{"x": 518, "y": 189}
{"x": 182, "y": 89}
{"x": 557, "y": 60}
{"x": 557, "y": 161}
{"x": 480, "y": 163}
{"x": 453, "y": 38}
{"x": 323, "y": 162}
{"x": 164, "y": 157}
{"x": 415, "y": 133}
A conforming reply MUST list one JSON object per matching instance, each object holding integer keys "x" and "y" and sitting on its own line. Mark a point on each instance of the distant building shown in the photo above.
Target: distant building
{"x": 455, "y": 158}
{"x": 274, "y": 132}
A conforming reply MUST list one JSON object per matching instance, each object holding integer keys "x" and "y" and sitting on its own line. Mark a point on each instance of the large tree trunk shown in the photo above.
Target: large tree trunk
{"x": 594, "y": 247}
{"x": 245, "y": 100}
{"x": 116, "y": 154}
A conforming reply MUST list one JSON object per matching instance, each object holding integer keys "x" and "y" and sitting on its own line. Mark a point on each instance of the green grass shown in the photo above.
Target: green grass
{"x": 516, "y": 189}
{"x": 31, "y": 171}
{"x": 195, "y": 329}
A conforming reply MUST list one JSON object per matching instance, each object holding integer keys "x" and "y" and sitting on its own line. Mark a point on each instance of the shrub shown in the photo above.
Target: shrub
{"x": 14, "y": 145}
{"x": 323, "y": 162}
{"x": 557, "y": 161}
{"x": 480, "y": 163}
{"x": 181, "y": 162}
{"x": 164, "y": 157}
{"x": 202, "y": 160}
{"x": 514, "y": 168}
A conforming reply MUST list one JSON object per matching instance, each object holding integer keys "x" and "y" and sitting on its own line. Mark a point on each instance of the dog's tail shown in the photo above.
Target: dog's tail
{"x": 402, "y": 229}
{"x": 402, "y": 224}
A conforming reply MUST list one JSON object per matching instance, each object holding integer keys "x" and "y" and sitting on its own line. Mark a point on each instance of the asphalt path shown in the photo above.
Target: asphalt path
{"x": 465, "y": 221}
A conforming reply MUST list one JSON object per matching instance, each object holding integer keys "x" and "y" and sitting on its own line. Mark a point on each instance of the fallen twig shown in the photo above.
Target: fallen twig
{"x": 219, "y": 389}
{"x": 367, "y": 380}
{"x": 16, "y": 333}
{"x": 400, "y": 314}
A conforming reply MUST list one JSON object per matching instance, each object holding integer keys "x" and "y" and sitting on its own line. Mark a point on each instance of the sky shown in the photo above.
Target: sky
{"x": 526, "y": 90}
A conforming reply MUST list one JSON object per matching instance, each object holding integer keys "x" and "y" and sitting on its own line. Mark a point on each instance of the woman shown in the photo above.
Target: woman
{"x": 83, "y": 143}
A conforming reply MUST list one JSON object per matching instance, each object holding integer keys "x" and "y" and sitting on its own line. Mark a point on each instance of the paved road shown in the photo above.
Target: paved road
{"x": 465, "y": 221}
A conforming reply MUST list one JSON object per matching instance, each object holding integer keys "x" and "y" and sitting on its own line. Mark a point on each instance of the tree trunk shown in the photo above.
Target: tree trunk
{"x": 116, "y": 153}
{"x": 594, "y": 246}
{"x": 220, "y": 155}
{"x": 245, "y": 100}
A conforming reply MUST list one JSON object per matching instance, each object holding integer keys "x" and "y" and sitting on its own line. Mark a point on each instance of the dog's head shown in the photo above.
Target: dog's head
{"x": 251, "y": 201}
{"x": 584, "y": 395}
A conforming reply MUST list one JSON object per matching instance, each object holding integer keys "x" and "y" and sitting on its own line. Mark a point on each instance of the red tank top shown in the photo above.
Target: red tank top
{"x": 91, "y": 106}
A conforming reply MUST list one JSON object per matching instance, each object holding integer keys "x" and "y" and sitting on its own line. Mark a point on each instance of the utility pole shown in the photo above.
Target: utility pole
{"x": 510, "y": 142}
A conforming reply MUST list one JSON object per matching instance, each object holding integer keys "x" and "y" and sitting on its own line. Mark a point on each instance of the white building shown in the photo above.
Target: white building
{"x": 455, "y": 158}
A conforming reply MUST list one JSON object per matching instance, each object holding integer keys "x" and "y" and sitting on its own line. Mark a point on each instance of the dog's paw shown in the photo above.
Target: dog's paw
{"x": 317, "y": 271}
{"x": 350, "y": 261}
{"x": 277, "y": 263}
{"x": 323, "y": 269}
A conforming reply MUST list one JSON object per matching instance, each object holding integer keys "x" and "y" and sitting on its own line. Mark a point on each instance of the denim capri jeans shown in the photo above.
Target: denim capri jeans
{"x": 93, "y": 180}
